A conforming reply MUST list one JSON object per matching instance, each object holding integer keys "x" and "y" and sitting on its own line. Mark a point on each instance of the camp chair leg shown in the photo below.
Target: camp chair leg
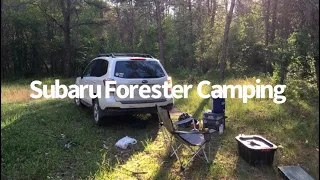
{"x": 193, "y": 152}
{"x": 166, "y": 122}
{"x": 209, "y": 150}
{"x": 204, "y": 153}
{"x": 176, "y": 150}
{"x": 194, "y": 155}
{"x": 166, "y": 137}
{"x": 205, "y": 159}
{"x": 189, "y": 148}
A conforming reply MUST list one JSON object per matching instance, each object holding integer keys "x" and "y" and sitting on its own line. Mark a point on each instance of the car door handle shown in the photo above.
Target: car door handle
{"x": 94, "y": 82}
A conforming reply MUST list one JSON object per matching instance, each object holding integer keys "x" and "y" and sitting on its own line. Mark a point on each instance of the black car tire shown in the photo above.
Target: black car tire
{"x": 97, "y": 112}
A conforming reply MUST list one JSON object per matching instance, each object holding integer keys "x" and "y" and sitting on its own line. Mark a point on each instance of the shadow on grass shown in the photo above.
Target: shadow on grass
{"x": 197, "y": 169}
{"x": 56, "y": 139}
{"x": 200, "y": 108}
{"x": 167, "y": 165}
{"x": 244, "y": 171}
{"x": 291, "y": 120}
{"x": 293, "y": 128}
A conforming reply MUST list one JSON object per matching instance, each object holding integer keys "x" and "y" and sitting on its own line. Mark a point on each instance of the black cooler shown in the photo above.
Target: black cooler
{"x": 218, "y": 105}
{"x": 256, "y": 150}
{"x": 212, "y": 119}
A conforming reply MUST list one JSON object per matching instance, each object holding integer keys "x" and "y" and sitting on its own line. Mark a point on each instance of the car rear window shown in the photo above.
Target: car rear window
{"x": 138, "y": 69}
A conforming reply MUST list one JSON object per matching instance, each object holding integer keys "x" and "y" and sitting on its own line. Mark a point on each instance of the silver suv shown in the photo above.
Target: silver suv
{"x": 124, "y": 69}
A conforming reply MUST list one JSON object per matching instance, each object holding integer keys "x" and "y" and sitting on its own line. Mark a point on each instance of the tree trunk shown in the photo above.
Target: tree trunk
{"x": 284, "y": 33}
{"x": 285, "y": 22}
{"x": 225, "y": 40}
{"x": 226, "y": 5}
{"x": 316, "y": 63}
{"x": 274, "y": 21}
{"x": 132, "y": 27}
{"x": 190, "y": 36}
{"x": 190, "y": 16}
{"x": 159, "y": 29}
{"x": 266, "y": 22}
{"x": 208, "y": 6}
{"x": 50, "y": 35}
{"x": 66, "y": 12}
{"x": 2, "y": 43}
{"x": 266, "y": 33}
{"x": 314, "y": 26}
{"x": 213, "y": 13}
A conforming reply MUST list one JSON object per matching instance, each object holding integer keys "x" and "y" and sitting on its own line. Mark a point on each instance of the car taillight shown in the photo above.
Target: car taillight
{"x": 169, "y": 83}
{"x": 111, "y": 85}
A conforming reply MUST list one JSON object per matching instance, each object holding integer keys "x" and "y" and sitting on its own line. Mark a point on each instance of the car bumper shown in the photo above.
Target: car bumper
{"x": 111, "y": 107}
{"x": 121, "y": 111}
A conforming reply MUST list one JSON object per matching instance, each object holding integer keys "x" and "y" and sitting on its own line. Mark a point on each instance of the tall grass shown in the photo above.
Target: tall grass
{"x": 294, "y": 125}
{"x": 19, "y": 90}
{"x": 32, "y": 144}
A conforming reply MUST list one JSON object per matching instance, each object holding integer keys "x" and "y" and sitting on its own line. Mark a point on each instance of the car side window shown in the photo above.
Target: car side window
{"x": 100, "y": 68}
{"x": 88, "y": 70}
{"x": 104, "y": 67}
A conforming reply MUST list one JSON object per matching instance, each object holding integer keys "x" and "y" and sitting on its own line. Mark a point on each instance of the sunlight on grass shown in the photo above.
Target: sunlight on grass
{"x": 20, "y": 90}
{"x": 194, "y": 104}
{"x": 9, "y": 114}
{"x": 143, "y": 164}
{"x": 32, "y": 146}
{"x": 13, "y": 94}
{"x": 288, "y": 125}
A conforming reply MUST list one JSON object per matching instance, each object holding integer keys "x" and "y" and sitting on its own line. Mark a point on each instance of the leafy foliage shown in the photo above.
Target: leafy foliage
{"x": 34, "y": 41}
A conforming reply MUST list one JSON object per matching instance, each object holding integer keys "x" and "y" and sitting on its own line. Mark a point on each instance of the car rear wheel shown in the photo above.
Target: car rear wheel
{"x": 97, "y": 112}
{"x": 78, "y": 102}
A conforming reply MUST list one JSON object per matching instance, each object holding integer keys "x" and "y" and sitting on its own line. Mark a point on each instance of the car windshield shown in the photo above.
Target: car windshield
{"x": 138, "y": 69}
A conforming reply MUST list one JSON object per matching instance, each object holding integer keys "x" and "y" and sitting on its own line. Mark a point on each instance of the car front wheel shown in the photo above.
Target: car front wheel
{"x": 97, "y": 112}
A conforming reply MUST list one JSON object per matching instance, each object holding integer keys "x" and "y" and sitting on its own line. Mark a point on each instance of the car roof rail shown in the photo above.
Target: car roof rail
{"x": 106, "y": 55}
{"x": 113, "y": 55}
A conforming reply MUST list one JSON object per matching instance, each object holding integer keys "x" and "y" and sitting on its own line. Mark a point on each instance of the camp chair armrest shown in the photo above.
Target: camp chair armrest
{"x": 191, "y": 132}
{"x": 207, "y": 135}
{"x": 183, "y": 121}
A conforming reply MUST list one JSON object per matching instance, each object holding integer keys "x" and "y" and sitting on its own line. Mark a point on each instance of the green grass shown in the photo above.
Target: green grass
{"x": 34, "y": 134}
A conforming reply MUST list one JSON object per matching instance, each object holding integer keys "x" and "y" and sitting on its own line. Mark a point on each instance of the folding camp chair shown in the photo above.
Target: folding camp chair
{"x": 166, "y": 136}
{"x": 189, "y": 139}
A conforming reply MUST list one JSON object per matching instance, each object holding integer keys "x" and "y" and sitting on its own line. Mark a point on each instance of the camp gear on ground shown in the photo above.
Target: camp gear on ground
{"x": 294, "y": 172}
{"x": 196, "y": 139}
{"x": 186, "y": 121}
{"x": 124, "y": 142}
{"x": 218, "y": 105}
{"x": 214, "y": 121}
{"x": 255, "y": 149}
